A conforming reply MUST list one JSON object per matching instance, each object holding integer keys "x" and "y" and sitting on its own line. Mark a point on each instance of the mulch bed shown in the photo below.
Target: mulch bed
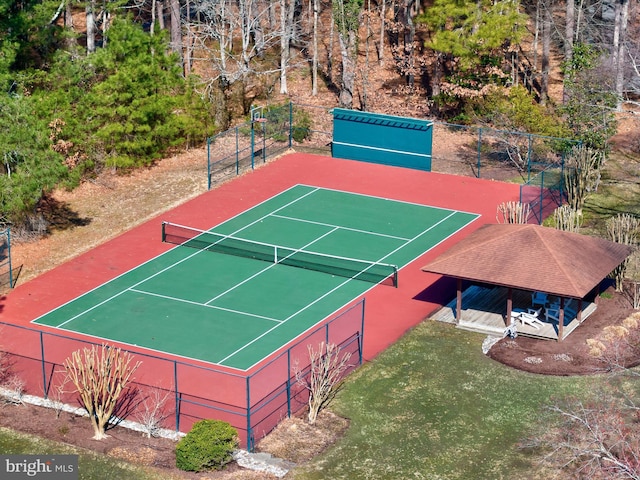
{"x": 570, "y": 356}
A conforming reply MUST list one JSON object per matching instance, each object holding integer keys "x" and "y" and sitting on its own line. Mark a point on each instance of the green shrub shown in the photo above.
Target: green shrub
{"x": 208, "y": 446}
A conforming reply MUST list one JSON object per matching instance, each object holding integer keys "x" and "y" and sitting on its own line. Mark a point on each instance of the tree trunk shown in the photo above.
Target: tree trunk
{"x": 332, "y": 36}
{"x": 546, "y": 54}
{"x": 314, "y": 63}
{"x": 160, "y": 10}
{"x": 91, "y": 27}
{"x": 437, "y": 74}
{"x": 70, "y": 42}
{"x": 348, "y": 55}
{"x": 258, "y": 32}
{"x": 284, "y": 46}
{"x": 619, "y": 40}
{"x": 383, "y": 13}
{"x": 176, "y": 30}
{"x": 189, "y": 50}
{"x": 570, "y": 17}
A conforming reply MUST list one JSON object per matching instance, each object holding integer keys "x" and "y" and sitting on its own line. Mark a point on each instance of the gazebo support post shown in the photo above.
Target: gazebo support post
{"x": 507, "y": 320}
{"x": 561, "y": 320}
{"x": 579, "y": 314}
{"x": 458, "y": 315}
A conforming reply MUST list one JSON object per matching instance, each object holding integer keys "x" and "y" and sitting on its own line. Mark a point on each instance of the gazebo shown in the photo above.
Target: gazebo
{"x": 531, "y": 258}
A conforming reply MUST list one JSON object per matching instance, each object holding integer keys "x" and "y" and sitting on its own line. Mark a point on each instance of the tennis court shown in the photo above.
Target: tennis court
{"x": 240, "y": 291}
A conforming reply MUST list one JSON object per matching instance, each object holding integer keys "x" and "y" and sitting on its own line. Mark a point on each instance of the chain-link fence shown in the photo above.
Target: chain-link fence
{"x": 253, "y": 402}
{"x": 269, "y": 132}
{"x": 536, "y": 162}
{"x": 494, "y": 154}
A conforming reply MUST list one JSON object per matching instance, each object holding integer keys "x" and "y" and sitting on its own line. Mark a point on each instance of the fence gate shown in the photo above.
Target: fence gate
{"x": 386, "y": 139}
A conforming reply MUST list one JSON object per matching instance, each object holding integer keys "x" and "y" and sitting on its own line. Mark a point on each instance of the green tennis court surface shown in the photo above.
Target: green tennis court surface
{"x": 293, "y": 260}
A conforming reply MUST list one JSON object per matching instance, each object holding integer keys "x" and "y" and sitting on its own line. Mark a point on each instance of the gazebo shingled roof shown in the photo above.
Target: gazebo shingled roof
{"x": 532, "y": 257}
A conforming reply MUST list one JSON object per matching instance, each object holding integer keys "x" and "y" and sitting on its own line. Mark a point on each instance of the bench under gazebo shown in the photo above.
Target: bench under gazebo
{"x": 508, "y": 264}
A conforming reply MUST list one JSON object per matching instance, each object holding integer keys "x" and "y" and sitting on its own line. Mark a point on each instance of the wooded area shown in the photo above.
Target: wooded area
{"x": 119, "y": 83}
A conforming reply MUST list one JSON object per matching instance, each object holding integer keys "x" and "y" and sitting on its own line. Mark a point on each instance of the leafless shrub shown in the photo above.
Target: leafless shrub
{"x": 513, "y": 212}
{"x": 583, "y": 175}
{"x": 57, "y": 394}
{"x": 567, "y": 219}
{"x": 152, "y": 412}
{"x": 624, "y": 229}
{"x": 14, "y": 390}
{"x": 324, "y": 378}
{"x": 100, "y": 376}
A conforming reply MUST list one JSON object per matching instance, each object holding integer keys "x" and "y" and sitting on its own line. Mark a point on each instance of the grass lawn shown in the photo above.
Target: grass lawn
{"x": 91, "y": 466}
{"x": 433, "y": 406}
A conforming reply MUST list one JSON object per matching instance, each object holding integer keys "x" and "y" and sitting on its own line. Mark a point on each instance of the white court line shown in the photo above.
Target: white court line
{"x": 174, "y": 264}
{"x": 176, "y": 299}
{"x": 371, "y": 147}
{"x": 302, "y": 220}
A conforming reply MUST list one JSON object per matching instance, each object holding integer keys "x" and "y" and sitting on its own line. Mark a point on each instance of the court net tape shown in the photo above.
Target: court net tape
{"x": 373, "y": 272}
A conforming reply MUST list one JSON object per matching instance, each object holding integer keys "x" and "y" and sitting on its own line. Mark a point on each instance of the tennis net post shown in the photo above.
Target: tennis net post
{"x": 373, "y": 272}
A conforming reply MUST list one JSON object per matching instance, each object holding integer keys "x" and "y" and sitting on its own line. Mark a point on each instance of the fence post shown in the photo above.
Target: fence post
{"x": 253, "y": 142}
{"x": 44, "y": 370}
{"x": 529, "y": 149}
{"x": 237, "y": 153}
{"x": 177, "y": 396}
{"x": 249, "y": 432}
{"x": 9, "y": 254}
{"x": 479, "y": 151}
{"x": 541, "y": 196}
{"x": 264, "y": 141}
{"x": 289, "y": 382}
{"x": 290, "y": 123}
{"x": 361, "y": 340}
{"x": 208, "y": 163}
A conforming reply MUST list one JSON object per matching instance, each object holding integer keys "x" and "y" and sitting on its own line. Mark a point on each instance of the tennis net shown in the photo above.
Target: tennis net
{"x": 373, "y": 272}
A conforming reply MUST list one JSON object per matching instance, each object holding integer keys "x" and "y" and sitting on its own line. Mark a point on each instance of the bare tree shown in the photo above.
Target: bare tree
{"x": 594, "y": 439}
{"x": 597, "y": 436}
{"x": 100, "y": 376}
{"x": 324, "y": 378}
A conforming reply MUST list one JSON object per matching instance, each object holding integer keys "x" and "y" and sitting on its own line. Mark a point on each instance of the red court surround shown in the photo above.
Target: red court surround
{"x": 390, "y": 312}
